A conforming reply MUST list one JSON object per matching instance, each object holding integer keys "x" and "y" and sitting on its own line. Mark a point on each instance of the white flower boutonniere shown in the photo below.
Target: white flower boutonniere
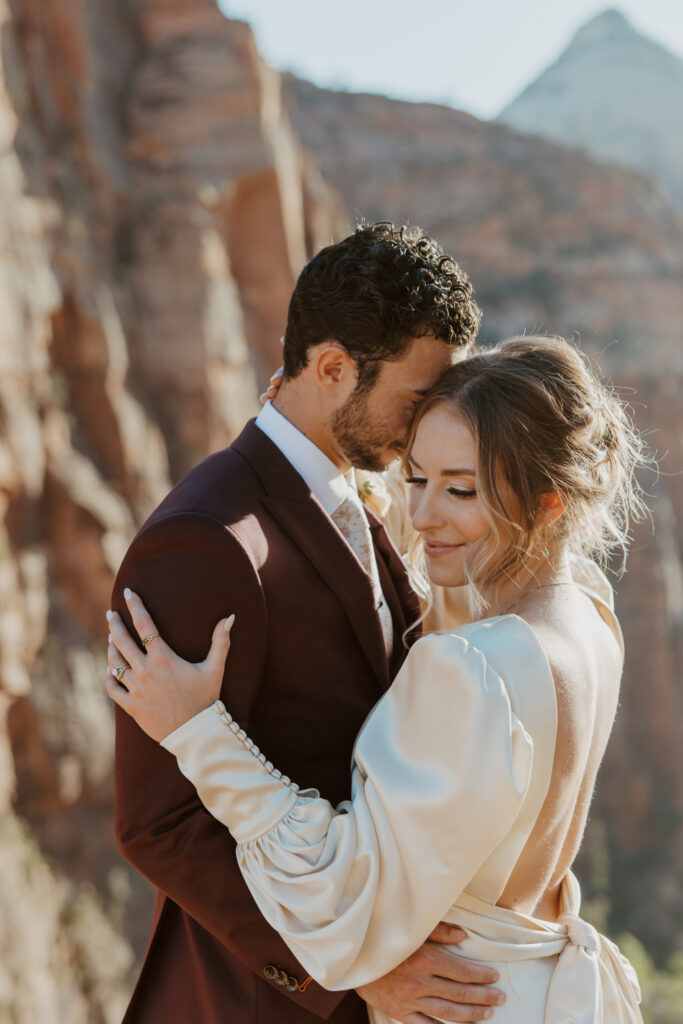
{"x": 373, "y": 492}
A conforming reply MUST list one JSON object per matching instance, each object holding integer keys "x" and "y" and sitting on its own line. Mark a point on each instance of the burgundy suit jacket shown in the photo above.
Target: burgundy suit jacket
{"x": 242, "y": 533}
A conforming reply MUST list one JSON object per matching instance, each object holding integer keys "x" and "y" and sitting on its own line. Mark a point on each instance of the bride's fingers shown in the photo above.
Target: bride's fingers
{"x": 274, "y": 386}
{"x": 116, "y": 660}
{"x": 142, "y": 620}
{"x": 118, "y": 693}
{"x": 270, "y": 393}
{"x": 220, "y": 645}
{"x": 123, "y": 641}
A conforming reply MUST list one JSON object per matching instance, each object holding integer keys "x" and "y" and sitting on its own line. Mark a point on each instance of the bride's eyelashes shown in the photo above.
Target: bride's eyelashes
{"x": 419, "y": 481}
{"x": 461, "y": 494}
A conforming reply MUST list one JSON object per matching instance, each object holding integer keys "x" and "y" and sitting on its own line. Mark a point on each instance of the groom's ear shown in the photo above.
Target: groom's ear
{"x": 336, "y": 372}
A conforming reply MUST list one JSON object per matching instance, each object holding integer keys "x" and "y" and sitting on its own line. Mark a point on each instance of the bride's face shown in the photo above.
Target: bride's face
{"x": 444, "y": 503}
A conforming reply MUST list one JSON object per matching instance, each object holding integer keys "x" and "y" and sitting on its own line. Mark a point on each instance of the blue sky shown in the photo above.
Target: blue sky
{"x": 473, "y": 54}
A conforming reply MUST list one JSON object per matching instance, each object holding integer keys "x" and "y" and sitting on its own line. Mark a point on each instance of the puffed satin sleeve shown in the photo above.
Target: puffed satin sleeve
{"x": 440, "y": 771}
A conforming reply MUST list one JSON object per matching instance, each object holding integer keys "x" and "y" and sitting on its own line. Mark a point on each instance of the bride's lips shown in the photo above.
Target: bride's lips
{"x": 433, "y": 549}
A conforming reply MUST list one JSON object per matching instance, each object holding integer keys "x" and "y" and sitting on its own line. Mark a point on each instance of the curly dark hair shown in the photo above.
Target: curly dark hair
{"x": 373, "y": 292}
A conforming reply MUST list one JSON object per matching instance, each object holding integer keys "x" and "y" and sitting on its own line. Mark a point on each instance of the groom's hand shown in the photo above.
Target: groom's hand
{"x": 433, "y": 983}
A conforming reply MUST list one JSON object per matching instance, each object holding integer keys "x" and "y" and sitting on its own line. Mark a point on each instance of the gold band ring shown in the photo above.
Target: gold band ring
{"x": 148, "y": 639}
{"x": 119, "y": 671}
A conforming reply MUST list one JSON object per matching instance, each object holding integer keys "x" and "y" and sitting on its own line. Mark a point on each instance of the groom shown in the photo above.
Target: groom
{"x": 272, "y": 529}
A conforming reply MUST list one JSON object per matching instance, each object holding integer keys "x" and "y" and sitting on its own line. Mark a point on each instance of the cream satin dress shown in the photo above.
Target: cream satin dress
{"x": 450, "y": 772}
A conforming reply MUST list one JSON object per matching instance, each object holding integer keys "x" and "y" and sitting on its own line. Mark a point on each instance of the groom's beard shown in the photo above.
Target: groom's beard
{"x": 364, "y": 441}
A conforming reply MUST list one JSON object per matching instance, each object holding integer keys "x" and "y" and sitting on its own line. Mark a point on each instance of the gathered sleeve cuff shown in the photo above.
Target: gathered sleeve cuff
{"x": 441, "y": 769}
{"x": 234, "y": 779}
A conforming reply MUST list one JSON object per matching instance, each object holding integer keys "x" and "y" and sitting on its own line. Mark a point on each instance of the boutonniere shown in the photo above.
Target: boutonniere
{"x": 373, "y": 492}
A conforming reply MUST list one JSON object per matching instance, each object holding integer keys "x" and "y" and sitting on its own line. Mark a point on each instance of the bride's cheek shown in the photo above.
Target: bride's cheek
{"x": 474, "y": 525}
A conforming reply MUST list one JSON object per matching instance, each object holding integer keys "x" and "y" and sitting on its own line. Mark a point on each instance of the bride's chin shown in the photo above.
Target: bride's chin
{"x": 439, "y": 576}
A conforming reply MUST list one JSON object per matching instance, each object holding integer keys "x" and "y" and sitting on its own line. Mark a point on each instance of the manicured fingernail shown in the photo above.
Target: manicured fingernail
{"x": 110, "y": 638}
{"x": 227, "y": 625}
{"x": 127, "y": 593}
{"x": 109, "y": 614}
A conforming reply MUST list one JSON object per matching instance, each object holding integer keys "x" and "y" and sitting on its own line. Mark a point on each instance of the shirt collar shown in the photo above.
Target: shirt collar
{"x": 321, "y": 475}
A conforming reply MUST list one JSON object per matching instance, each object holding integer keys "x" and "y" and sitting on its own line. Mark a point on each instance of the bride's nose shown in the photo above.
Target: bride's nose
{"x": 426, "y": 514}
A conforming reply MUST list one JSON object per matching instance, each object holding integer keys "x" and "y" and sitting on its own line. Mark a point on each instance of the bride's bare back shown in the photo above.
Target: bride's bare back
{"x": 579, "y": 637}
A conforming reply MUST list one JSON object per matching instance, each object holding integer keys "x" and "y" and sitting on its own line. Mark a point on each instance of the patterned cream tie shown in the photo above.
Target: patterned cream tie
{"x": 353, "y": 525}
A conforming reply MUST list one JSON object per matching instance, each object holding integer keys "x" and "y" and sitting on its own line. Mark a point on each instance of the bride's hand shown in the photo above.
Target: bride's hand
{"x": 274, "y": 386}
{"x": 157, "y": 688}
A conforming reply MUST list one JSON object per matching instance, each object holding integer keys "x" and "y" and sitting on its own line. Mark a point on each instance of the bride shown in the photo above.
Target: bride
{"x": 473, "y": 775}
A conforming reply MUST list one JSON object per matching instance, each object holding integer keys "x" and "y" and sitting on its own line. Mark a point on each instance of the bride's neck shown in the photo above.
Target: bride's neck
{"x": 537, "y": 575}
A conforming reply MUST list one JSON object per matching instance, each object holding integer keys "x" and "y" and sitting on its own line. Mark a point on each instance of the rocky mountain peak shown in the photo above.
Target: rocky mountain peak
{"x": 611, "y": 33}
{"x": 616, "y": 93}
{"x": 610, "y": 24}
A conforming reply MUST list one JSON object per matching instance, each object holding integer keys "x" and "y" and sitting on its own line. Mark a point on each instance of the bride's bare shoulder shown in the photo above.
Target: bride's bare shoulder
{"x": 583, "y": 649}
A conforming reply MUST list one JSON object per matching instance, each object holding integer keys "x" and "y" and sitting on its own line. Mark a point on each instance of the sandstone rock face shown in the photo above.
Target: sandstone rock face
{"x": 155, "y": 209}
{"x": 551, "y": 239}
{"x": 639, "y": 802}
{"x": 615, "y": 93}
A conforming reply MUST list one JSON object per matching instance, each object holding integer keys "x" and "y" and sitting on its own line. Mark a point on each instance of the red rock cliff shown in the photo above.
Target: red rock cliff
{"x": 156, "y": 208}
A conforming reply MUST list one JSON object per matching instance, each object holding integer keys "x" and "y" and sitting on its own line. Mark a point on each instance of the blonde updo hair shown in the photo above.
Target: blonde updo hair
{"x": 542, "y": 422}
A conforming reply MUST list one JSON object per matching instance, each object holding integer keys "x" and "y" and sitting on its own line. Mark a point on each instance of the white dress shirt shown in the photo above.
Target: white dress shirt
{"x": 320, "y": 474}
{"x": 324, "y": 481}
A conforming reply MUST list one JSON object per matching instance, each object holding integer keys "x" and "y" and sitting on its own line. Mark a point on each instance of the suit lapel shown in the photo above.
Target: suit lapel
{"x": 400, "y": 596}
{"x": 298, "y": 512}
{"x": 308, "y": 525}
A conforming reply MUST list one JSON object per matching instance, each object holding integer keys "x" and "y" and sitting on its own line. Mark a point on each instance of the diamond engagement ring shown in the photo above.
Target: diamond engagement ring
{"x": 148, "y": 639}
{"x": 119, "y": 670}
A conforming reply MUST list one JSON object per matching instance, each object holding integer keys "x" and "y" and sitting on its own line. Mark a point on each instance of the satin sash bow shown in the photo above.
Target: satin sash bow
{"x": 592, "y": 983}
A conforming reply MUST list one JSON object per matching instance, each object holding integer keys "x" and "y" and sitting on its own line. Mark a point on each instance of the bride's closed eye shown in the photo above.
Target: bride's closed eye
{"x": 419, "y": 481}
{"x": 461, "y": 494}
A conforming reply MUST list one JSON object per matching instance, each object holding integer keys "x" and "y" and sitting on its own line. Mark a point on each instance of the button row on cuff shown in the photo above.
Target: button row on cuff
{"x": 288, "y": 981}
{"x": 227, "y": 719}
